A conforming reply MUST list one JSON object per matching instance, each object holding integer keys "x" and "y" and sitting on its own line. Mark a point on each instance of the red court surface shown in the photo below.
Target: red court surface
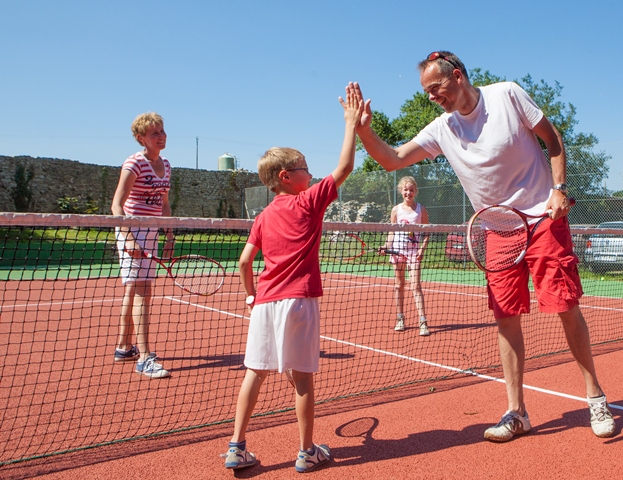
{"x": 417, "y": 434}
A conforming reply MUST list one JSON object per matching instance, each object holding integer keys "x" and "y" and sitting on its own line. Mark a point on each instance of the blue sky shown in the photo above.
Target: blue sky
{"x": 244, "y": 76}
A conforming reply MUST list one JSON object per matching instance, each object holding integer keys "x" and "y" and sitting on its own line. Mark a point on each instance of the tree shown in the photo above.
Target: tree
{"x": 21, "y": 193}
{"x": 586, "y": 168}
{"x": 384, "y": 129}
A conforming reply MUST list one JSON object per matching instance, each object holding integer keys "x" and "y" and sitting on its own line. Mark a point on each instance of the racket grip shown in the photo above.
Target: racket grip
{"x": 571, "y": 204}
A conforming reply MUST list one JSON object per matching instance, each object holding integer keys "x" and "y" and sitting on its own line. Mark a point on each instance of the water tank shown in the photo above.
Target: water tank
{"x": 227, "y": 162}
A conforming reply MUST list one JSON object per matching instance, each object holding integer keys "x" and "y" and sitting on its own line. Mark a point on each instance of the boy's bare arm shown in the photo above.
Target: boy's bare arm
{"x": 245, "y": 265}
{"x": 353, "y": 108}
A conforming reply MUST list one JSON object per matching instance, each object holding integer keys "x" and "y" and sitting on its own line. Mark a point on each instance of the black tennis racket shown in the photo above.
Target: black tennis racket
{"x": 498, "y": 236}
{"x": 195, "y": 274}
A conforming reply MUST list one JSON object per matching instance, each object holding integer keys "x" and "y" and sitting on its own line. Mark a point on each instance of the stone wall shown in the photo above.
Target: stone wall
{"x": 194, "y": 193}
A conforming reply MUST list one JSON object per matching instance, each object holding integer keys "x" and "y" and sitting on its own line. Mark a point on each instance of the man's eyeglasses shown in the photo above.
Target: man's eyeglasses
{"x": 434, "y": 88}
{"x": 436, "y": 55}
{"x": 305, "y": 169}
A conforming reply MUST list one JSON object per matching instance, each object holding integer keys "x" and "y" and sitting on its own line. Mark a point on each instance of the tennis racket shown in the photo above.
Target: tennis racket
{"x": 342, "y": 246}
{"x": 195, "y": 274}
{"x": 498, "y": 236}
{"x": 346, "y": 246}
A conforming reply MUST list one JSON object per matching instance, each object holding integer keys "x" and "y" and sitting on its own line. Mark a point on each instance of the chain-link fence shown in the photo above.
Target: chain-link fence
{"x": 369, "y": 197}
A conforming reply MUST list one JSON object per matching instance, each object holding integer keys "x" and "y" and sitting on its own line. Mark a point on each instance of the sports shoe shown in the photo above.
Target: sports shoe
{"x": 236, "y": 458}
{"x": 400, "y": 324}
{"x": 511, "y": 424}
{"x": 123, "y": 356}
{"x": 602, "y": 422}
{"x": 150, "y": 368}
{"x": 424, "y": 329}
{"x": 306, "y": 462}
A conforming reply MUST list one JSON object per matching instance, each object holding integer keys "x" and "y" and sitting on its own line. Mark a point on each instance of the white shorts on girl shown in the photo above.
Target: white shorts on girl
{"x": 284, "y": 334}
{"x": 407, "y": 257}
{"x": 407, "y": 247}
{"x": 133, "y": 269}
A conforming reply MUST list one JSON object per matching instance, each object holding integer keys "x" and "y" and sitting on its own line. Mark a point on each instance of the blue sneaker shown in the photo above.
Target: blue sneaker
{"x": 236, "y": 458}
{"x": 306, "y": 462}
{"x": 123, "y": 356}
{"x": 150, "y": 368}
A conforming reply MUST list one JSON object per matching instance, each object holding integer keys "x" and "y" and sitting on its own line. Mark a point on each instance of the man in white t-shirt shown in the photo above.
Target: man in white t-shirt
{"x": 489, "y": 136}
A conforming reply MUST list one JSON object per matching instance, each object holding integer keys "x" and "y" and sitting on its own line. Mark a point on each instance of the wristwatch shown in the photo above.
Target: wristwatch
{"x": 561, "y": 187}
{"x": 250, "y": 300}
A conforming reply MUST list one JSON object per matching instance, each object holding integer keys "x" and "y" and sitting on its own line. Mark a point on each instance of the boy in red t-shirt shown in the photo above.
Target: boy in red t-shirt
{"x": 284, "y": 332}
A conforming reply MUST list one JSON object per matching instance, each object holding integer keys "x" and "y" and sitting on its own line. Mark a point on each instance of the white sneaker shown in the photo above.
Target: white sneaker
{"x": 602, "y": 422}
{"x": 150, "y": 368}
{"x": 400, "y": 325}
{"x": 236, "y": 458}
{"x": 424, "y": 330}
{"x": 511, "y": 424}
{"x": 306, "y": 462}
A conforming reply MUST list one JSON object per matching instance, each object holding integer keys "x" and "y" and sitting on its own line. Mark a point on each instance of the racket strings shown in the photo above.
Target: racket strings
{"x": 197, "y": 275}
{"x": 342, "y": 246}
{"x": 499, "y": 238}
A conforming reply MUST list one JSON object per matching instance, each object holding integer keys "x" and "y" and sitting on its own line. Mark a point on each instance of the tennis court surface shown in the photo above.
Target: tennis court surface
{"x": 68, "y": 409}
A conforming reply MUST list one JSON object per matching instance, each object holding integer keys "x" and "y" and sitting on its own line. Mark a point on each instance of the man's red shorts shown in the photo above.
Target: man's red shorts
{"x": 554, "y": 269}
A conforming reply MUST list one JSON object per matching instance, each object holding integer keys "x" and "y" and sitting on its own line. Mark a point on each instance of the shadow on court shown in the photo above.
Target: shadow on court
{"x": 373, "y": 450}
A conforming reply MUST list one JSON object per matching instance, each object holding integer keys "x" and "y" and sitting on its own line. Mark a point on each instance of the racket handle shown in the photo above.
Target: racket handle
{"x": 571, "y": 204}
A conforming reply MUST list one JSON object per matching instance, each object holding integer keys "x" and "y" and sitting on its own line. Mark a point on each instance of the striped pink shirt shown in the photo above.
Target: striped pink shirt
{"x": 148, "y": 190}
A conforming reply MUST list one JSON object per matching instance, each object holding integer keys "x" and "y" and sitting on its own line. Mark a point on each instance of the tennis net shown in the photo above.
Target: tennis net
{"x": 60, "y": 301}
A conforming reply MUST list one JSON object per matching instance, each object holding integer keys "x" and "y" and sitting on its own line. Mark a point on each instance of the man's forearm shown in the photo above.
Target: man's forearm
{"x": 380, "y": 151}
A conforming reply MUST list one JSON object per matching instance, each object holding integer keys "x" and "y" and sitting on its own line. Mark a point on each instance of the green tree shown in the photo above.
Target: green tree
{"x": 586, "y": 167}
{"x": 21, "y": 193}
{"x": 384, "y": 129}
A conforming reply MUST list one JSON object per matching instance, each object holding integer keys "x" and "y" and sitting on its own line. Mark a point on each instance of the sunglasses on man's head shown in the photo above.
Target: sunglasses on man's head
{"x": 436, "y": 55}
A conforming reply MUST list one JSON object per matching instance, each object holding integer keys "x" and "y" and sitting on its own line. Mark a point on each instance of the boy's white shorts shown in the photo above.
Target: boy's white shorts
{"x": 284, "y": 334}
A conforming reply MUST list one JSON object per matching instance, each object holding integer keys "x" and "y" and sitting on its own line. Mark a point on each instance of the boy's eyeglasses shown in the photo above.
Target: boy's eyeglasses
{"x": 436, "y": 55}
{"x": 305, "y": 169}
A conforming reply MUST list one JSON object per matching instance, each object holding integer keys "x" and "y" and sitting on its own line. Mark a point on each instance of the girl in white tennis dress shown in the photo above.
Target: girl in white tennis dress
{"x": 410, "y": 248}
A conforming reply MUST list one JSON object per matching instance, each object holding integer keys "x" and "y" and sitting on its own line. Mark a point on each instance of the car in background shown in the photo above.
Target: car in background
{"x": 604, "y": 252}
{"x": 456, "y": 247}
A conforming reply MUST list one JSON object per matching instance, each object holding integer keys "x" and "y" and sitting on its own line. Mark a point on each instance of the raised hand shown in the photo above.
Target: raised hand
{"x": 353, "y": 105}
{"x": 366, "y": 116}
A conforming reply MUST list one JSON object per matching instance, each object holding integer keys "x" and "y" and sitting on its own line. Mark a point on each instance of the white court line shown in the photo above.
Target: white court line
{"x": 459, "y": 370}
{"x": 204, "y": 307}
{"x": 52, "y": 304}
